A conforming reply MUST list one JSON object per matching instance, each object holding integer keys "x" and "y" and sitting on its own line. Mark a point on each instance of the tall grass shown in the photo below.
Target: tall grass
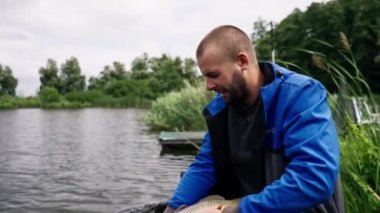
{"x": 180, "y": 110}
{"x": 360, "y": 167}
{"x": 360, "y": 144}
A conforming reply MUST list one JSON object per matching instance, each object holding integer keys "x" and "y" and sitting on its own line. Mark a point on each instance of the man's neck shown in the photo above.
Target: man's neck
{"x": 256, "y": 82}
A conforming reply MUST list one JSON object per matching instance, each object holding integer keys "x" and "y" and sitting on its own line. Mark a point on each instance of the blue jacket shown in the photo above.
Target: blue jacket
{"x": 299, "y": 122}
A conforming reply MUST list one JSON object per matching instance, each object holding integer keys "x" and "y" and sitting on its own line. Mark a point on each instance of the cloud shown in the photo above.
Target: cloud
{"x": 13, "y": 35}
{"x": 99, "y": 32}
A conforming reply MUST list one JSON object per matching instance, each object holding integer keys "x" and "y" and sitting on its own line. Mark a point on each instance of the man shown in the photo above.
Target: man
{"x": 271, "y": 138}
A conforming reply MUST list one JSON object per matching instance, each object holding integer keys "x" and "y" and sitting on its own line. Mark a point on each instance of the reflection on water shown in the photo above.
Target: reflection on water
{"x": 89, "y": 160}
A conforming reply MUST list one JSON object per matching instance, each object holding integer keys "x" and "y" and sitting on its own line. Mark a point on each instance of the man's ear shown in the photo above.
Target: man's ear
{"x": 242, "y": 60}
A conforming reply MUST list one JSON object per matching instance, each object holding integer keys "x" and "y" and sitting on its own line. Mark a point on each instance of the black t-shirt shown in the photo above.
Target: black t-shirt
{"x": 246, "y": 130}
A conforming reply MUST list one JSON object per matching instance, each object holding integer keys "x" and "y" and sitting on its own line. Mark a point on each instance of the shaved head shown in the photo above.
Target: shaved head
{"x": 229, "y": 40}
{"x": 228, "y": 61}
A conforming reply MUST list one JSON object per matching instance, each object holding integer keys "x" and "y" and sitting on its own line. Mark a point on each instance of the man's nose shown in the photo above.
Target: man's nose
{"x": 210, "y": 85}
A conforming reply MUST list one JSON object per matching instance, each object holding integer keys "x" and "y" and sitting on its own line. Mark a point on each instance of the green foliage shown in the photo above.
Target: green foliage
{"x": 7, "y": 102}
{"x": 189, "y": 71}
{"x": 63, "y": 104}
{"x": 141, "y": 67}
{"x": 28, "y": 102}
{"x": 8, "y": 83}
{"x": 49, "y": 76}
{"x": 167, "y": 74}
{"x": 71, "y": 77}
{"x": 180, "y": 110}
{"x": 107, "y": 75}
{"x": 349, "y": 82}
{"x": 358, "y": 19}
{"x": 84, "y": 96}
{"x": 130, "y": 88}
{"x": 80, "y": 99}
{"x": 111, "y": 102}
{"x": 115, "y": 87}
{"x": 149, "y": 78}
{"x": 260, "y": 29}
{"x": 50, "y": 95}
{"x": 164, "y": 73}
{"x": 12, "y": 102}
{"x": 96, "y": 98}
{"x": 66, "y": 80}
{"x": 360, "y": 167}
{"x": 51, "y": 99}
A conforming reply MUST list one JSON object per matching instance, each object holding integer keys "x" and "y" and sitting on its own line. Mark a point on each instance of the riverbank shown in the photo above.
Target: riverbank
{"x": 11, "y": 102}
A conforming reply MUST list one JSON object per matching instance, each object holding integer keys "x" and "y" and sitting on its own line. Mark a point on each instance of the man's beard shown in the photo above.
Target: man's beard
{"x": 238, "y": 91}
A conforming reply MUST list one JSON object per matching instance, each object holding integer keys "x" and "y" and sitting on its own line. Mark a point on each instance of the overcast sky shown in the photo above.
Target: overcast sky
{"x": 98, "y": 32}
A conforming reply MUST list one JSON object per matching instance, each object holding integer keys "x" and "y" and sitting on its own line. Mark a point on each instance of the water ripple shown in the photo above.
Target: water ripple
{"x": 90, "y": 160}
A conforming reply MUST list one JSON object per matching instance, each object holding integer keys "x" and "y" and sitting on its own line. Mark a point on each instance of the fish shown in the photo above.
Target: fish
{"x": 212, "y": 201}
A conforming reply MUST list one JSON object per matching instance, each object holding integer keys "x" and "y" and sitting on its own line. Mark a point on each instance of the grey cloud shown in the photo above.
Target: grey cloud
{"x": 16, "y": 4}
{"x": 14, "y": 35}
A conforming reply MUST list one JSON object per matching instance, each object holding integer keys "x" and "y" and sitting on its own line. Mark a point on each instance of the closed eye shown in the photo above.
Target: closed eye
{"x": 211, "y": 75}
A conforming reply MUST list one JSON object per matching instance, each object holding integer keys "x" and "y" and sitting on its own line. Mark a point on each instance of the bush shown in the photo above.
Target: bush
{"x": 49, "y": 95}
{"x": 12, "y": 102}
{"x": 28, "y": 102}
{"x": 130, "y": 88}
{"x": 7, "y": 102}
{"x": 84, "y": 96}
{"x": 179, "y": 110}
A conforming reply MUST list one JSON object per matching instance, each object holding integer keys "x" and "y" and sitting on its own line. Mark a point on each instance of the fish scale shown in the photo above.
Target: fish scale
{"x": 209, "y": 202}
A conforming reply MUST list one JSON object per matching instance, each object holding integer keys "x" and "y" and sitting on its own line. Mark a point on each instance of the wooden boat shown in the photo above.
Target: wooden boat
{"x": 181, "y": 140}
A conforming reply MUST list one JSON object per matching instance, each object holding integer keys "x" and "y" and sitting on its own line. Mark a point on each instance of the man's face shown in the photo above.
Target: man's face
{"x": 223, "y": 76}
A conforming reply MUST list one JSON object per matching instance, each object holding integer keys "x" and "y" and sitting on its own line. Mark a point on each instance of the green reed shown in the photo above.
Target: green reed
{"x": 360, "y": 143}
{"x": 180, "y": 110}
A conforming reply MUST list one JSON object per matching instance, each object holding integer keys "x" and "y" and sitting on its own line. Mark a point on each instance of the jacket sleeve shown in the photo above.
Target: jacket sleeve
{"x": 198, "y": 178}
{"x": 310, "y": 145}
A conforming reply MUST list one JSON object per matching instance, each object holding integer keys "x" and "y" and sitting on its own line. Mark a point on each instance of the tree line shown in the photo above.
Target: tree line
{"x": 296, "y": 37}
{"x": 148, "y": 78}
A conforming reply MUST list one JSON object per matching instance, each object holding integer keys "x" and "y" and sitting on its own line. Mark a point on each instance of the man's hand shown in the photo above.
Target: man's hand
{"x": 168, "y": 209}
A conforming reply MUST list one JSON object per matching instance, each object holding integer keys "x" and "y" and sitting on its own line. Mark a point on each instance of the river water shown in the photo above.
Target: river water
{"x": 88, "y": 160}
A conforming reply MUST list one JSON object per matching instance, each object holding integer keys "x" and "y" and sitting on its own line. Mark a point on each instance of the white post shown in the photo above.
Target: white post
{"x": 273, "y": 56}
